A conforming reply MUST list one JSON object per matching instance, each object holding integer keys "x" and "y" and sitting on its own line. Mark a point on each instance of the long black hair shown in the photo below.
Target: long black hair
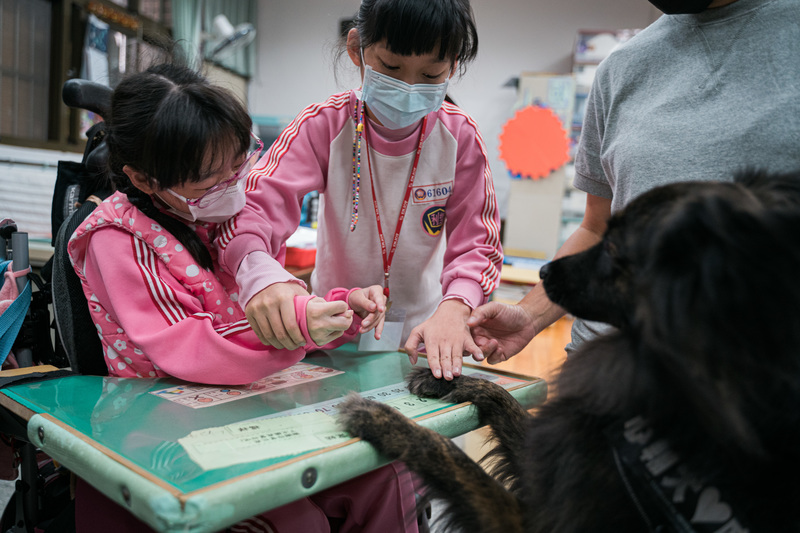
{"x": 163, "y": 122}
{"x": 417, "y": 27}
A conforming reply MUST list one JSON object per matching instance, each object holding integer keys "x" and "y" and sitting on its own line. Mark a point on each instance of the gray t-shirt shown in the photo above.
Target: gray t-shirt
{"x": 693, "y": 97}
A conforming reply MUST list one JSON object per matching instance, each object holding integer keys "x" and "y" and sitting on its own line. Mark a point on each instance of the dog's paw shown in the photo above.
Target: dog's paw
{"x": 461, "y": 389}
{"x": 424, "y": 384}
{"x": 382, "y": 426}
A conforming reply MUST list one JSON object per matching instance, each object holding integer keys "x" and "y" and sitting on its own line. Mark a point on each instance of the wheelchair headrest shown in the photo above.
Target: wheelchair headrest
{"x": 7, "y": 227}
{"x": 88, "y": 95}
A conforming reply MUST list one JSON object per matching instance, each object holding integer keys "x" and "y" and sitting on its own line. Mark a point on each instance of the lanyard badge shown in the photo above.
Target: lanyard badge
{"x": 394, "y": 321}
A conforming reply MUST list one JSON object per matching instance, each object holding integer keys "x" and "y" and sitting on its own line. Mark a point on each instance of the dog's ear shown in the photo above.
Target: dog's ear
{"x": 718, "y": 310}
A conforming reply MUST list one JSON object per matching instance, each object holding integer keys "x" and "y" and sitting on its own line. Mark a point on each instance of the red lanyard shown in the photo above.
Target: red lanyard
{"x": 387, "y": 258}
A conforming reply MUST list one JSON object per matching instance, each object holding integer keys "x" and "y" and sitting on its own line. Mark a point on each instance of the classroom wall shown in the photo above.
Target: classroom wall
{"x": 296, "y": 41}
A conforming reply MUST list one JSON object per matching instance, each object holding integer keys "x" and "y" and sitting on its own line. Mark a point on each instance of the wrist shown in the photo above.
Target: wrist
{"x": 539, "y": 309}
{"x": 455, "y": 306}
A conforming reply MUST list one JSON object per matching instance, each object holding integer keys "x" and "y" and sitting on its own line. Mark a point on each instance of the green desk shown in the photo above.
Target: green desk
{"x": 124, "y": 441}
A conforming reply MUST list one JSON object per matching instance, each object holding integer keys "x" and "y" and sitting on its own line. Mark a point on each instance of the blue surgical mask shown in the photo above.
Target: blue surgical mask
{"x": 395, "y": 103}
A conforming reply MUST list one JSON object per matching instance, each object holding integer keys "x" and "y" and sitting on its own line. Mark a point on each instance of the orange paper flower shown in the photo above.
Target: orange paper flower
{"x": 534, "y": 143}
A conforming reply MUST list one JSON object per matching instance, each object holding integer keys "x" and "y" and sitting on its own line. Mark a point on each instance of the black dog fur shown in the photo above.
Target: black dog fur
{"x": 700, "y": 280}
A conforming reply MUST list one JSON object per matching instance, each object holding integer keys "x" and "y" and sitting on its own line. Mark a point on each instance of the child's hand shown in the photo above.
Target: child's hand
{"x": 447, "y": 340}
{"x": 370, "y": 305}
{"x": 327, "y": 321}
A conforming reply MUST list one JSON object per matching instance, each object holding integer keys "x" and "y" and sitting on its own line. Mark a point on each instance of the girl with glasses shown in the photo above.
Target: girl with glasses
{"x": 179, "y": 149}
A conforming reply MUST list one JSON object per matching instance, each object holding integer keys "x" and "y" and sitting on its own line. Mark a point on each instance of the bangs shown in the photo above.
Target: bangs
{"x": 418, "y": 27}
{"x": 188, "y": 140}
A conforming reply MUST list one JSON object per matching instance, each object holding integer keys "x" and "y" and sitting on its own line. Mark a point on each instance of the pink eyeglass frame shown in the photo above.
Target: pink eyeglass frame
{"x": 245, "y": 167}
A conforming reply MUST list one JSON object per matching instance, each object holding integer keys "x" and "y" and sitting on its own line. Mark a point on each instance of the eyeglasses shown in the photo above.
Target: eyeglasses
{"x": 217, "y": 191}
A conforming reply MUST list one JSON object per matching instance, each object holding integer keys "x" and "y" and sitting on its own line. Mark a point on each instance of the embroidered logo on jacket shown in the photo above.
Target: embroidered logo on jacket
{"x": 433, "y": 220}
{"x": 431, "y": 193}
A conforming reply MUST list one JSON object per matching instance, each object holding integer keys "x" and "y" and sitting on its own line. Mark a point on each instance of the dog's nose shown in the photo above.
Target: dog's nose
{"x": 544, "y": 270}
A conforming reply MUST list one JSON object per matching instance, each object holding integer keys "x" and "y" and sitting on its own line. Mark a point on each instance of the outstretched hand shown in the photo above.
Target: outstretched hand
{"x": 446, "y": 338}
{"x": 501, "y": 330}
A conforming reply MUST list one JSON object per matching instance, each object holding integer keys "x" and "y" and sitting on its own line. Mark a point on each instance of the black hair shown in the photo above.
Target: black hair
{"x": 417, "y": 27}
{"x": 163, "y": 122}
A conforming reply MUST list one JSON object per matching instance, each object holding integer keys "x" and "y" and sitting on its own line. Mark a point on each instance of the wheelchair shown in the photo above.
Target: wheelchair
{"x": 41, "y": 500}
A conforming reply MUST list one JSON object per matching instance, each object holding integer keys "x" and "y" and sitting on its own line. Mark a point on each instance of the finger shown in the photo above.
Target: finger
{"x": 498, "y": 356}
{"x": 331, "y": 308}
{"x": 331, "y": 337}
{"x": 477, "y": 316}
{"x": 369, "y": 303}
{"x": 256, "y": 327}
{"x": 412, "y": 346}
{"x": 265, "y": 322}
{"x": 489, "y": 347}
{"x": 379, "y": 327}
{"x": 434, "y": 362}
{"x": 339, "y": 323}
{"x": 377, "y": 296}
{"x": 457, "y": 360}
{"x": 472, "y": 349}
{"x": 287, "y": 330}
{"x": 279, "y": 338}
{"x": 369, "y": 322}
{"x": 446, "y": 362}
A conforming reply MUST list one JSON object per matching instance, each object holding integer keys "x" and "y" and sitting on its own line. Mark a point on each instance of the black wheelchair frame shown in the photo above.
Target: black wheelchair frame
{"x": 42, "y": 492}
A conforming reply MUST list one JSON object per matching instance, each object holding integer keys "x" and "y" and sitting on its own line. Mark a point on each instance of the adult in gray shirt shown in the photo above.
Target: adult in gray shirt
{"x": 709, "y": 89}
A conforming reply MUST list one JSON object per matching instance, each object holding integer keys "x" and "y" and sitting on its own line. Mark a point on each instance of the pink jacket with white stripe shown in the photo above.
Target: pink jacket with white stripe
{"x": 158, "y": 313}
{"x": 434, "y": 260}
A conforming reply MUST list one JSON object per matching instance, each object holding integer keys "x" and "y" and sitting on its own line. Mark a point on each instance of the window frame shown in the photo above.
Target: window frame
{"x": 68, "y": 28}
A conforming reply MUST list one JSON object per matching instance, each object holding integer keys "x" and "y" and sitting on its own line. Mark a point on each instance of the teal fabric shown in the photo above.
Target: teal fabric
{"x": 186, "y": 29}
{"x": 11, "y": 320}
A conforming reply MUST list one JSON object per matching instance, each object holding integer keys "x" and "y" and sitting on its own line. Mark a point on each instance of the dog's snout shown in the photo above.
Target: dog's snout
{"x": 544, "y": 270}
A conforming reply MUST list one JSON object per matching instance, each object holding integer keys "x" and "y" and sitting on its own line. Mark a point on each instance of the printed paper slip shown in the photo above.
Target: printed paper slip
{"x": 302, "y": 429}
{"x": 198, "y": 396}
{"x": 257, "y": 440}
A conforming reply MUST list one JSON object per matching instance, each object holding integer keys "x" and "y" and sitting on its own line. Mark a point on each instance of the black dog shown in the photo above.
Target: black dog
{"x": 687, "y": 418}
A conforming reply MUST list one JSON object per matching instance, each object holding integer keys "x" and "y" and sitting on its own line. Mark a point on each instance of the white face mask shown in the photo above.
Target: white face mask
{"x": 223, "y": 208}
{"x": 395, "y": 103}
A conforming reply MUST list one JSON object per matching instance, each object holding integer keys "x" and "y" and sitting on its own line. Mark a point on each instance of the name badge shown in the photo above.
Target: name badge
{"x": 392, "y": 333}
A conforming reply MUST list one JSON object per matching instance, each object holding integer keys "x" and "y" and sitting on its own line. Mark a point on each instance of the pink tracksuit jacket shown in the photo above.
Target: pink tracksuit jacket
{"x": 158, "y": 313}
{"x": 449, "y": 244}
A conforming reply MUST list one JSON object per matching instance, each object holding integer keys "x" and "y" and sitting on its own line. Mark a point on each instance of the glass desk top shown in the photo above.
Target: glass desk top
{"x": 124, "y": 440}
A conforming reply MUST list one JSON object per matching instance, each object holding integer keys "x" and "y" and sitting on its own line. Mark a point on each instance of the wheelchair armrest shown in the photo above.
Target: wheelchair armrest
{"x": 88, "y": 95}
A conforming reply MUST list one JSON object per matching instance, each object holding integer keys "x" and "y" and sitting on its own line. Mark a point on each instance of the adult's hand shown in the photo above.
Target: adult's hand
{"x": 501, "y": 330}
{"x": 272, "y": 317}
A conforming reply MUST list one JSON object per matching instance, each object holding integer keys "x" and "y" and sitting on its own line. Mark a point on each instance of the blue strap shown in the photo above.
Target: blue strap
{"x": 11, "y": 320}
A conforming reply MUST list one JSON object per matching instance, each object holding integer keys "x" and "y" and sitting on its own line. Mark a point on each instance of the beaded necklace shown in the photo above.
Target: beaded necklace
{"x": 358, "y": 116}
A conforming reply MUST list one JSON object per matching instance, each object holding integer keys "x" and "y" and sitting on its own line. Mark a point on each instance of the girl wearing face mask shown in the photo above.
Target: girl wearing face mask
{"x": 179, "y": 148}
{"x": 407, "y": 195}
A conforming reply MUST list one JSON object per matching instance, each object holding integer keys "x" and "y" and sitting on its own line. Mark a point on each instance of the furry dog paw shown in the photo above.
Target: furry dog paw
{"x": 382, "y": 426}
{"x": 461, "y": 389}
{"x": 425, "y": 385}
